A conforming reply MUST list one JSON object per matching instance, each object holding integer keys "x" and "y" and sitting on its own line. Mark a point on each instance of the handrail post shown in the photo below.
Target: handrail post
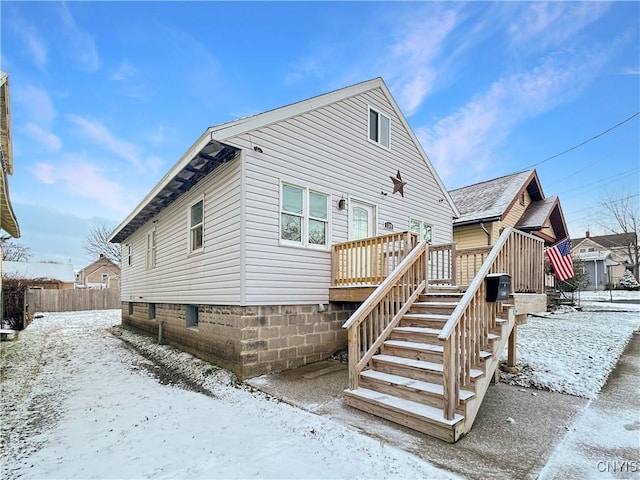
{"x": 454, "y": 265}
{"x": 450, "y": 377}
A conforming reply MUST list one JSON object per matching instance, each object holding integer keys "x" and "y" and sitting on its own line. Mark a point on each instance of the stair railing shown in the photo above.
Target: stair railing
{"x": 371, "y": 324}
{"x": 466, "y": 332}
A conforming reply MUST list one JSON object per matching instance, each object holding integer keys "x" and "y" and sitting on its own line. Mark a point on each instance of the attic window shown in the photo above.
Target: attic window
{"x": 522, "y": 199}
{"x": 379, "y": 128}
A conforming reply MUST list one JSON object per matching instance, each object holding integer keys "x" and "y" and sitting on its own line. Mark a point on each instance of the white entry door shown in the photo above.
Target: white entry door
{"x": 362, "y": 220}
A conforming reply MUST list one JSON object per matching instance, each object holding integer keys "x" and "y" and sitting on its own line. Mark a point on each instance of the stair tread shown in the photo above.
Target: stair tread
{"x": 492, "y": 336}
{"x": 420, "y": 364}
{"x": 436, "y": 367}
{"x": 426, "y": 330}
{"x": 426, "y": 316}
{"x": 405, "y": 406}
{"x": 419, "y": 385}
{"x": 423, "y": 347}
{"x": 437, "y": 304}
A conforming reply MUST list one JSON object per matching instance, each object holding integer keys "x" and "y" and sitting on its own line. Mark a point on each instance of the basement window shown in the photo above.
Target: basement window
{"x": 191, "y": 315}
{"x": 130, "y": 308}
{"x": 152, "y": 311}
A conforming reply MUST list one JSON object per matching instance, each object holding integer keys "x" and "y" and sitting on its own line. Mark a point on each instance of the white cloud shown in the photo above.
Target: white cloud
{"x": 48, "y": 140}
{"x": 97, "y": 133}
{"x": 417, "y": 51}
{"x": 83, "y": 179}
{"x": 465, "y": 140}
{"x": 34, "y": 44}
{"x": 124, "y": 72}
{"x": 36, "y": 102}
{"x": 551, "y": 23}
{"x": 81, "y": 45}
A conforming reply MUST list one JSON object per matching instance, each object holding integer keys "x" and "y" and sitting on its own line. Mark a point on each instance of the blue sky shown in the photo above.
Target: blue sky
{"x": 106, "y": 96}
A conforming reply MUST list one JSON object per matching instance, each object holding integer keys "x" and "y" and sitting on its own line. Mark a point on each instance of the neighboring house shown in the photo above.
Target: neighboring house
{"x": 605, "y": 258}
{"x": 8, "y": 220}
{"x": 231, "y": 251}
{"x": 516, "y": 200}
{"x": 41, "y": 275}
{"x": 103, "y": 273}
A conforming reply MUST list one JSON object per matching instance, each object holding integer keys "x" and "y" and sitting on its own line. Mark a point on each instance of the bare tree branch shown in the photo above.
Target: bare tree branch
{"x": 97, "y": 243}
{"x": 624, "y": 218}
{"x": 14, "y": 252}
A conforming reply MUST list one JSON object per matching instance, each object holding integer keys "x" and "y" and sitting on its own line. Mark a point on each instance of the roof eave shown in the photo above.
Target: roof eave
{"x": 196, "y": 163}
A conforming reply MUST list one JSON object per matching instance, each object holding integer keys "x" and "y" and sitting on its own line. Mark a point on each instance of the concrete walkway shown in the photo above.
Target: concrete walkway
{"x": 519, "y": 433}
{"x": 604, "y": 441}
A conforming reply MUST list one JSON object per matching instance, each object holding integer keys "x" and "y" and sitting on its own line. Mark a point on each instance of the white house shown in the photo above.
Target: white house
{"x": 231, "y": 251}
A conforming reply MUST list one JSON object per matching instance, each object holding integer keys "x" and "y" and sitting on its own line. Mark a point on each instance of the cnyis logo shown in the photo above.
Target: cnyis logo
{"x": 618, "y": 466}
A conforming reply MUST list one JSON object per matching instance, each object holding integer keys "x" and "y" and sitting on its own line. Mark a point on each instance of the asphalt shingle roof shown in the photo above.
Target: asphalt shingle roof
{"x": 490, "y": 199}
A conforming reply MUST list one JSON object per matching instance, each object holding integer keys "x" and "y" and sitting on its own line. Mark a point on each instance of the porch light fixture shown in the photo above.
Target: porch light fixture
{"x": 342, "y": 204}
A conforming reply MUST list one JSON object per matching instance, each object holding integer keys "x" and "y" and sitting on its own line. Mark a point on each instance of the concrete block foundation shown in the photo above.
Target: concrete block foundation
{"x": 249, "y": 341}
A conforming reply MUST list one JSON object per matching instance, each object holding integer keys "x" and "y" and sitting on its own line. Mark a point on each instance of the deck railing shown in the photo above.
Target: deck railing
{"x": 369, "y": 261}
{"x": 442, "y": 264}
{"x": 372, "y": 322}
{"x": 469, "y": 261}
{"x": 466, "y": 332}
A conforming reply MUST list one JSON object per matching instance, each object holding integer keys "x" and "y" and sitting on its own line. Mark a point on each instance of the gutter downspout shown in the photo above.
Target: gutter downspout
{"x": 487, "y": 232}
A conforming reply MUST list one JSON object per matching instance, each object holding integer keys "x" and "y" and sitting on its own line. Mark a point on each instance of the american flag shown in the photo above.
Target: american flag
{"x": 560, "y": 259}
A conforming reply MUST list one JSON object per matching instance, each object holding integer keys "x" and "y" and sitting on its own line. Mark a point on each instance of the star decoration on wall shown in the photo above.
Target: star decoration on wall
{"x": 398, "y": 184}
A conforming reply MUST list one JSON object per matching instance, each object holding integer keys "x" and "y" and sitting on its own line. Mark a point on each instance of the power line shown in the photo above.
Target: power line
{"x": 585, "y": 142}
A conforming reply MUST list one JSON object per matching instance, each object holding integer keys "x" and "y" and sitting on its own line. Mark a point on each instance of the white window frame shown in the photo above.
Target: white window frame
{"x": 129, "y": 254}
{"x": 193, "y": 228}
{"x": 379, "y": 132}
{"x": 305, "y": 217}
{"x": 151, "y": 249}
{"x": 421, "y": 232}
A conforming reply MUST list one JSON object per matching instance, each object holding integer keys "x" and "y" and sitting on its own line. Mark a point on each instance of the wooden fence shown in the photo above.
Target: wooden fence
{"x": 46, "y": 300}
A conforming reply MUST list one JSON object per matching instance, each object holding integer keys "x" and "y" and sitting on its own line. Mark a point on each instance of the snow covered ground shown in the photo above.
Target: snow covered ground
{"x": 82, "y": 400}
{"x": 77, "y": 403}
{"x": 572, "y": 351}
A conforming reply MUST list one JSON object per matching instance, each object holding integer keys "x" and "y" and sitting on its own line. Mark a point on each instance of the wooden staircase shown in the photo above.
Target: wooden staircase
{"x": 405, "y": 379}
{"x": 422, "y": 353}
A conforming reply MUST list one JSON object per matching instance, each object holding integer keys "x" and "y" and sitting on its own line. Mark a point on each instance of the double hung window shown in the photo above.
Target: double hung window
{"x": 304, "y": 217}
{"x": 423, "y": 229}
{"x": 196, "y": 226}
{"x": 151, "y": 248}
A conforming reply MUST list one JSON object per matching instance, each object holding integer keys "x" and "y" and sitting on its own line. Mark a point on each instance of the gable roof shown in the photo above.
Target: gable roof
{"x": 614, "y": 240}
{"x": 210, "y": 151}
{"x": 102, "y": 261}
{"x": 62, "y": 272}
{"x": 536, "y": 215}
{"x": 490, "y": 200}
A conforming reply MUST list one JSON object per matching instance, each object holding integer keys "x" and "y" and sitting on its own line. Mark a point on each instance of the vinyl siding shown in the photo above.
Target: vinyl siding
{"x": 328, "y": 150}
{"x": 472, "y": 236}
{"x": 210, "y": 277}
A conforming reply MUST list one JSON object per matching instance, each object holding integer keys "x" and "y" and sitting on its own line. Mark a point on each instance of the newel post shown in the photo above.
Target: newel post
{"x": 354, "y": 359}
{"x": 449, "y": 390}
